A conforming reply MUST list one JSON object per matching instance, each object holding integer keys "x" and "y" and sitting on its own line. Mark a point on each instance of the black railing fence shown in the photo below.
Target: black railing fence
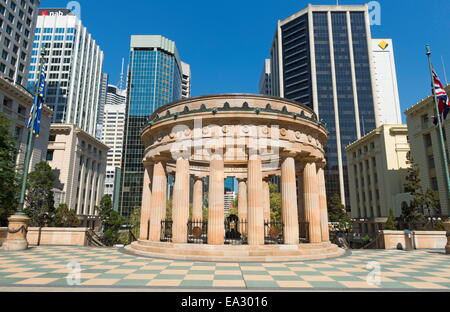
{"x": 197, "y": 232}
{"x": 303, "y": 231}
{"x": 273, "y": 233}
{"x": 166, "y": 231}
{"x": 235, "y": 231}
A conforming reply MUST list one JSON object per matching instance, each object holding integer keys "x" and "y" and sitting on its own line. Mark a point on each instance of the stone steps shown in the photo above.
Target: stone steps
{"x": 226, "y": 253}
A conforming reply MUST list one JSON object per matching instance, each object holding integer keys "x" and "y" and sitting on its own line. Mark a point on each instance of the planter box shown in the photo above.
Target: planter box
{"x": 58, "y": 236}
{"x": 421, "y": 239}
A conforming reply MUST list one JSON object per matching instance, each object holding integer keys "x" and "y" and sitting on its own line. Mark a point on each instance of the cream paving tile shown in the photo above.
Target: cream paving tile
{"x": 433, "y": 279}
{"x": 252, "y": 268}
{"x": 317, "y": 278}
{"x": 228, "y": 283}
{"x": 120, "y": 271}
{"x": 25, "y": 275}
{"x": 282, "y": 273}
{"x": 140, "y": 276}
{"x": 199, "y": 277}
{"x": 36, "y": 281}
{"x": 357, "y": 284}
{"x": 182, "y": 272}
{"x": 227, "y": 272}
{"x": 250, "y": 277}
{"x": 294, "y": 284}
{"x": 100, "y": 282}
{"x": 335, "y": 273}
{"x": 424, "y": 285}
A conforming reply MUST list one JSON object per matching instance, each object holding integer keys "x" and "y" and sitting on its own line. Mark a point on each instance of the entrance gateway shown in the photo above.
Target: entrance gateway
{"x": 253, "y": 139}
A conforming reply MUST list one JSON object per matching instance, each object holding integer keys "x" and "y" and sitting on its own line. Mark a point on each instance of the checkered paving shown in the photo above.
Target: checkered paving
{"x": 109, "y": 267}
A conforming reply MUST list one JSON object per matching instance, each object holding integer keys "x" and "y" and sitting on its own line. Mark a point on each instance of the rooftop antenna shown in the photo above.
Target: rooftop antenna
{"x": 443, "y": 67}
{"x": 122, "y": 74}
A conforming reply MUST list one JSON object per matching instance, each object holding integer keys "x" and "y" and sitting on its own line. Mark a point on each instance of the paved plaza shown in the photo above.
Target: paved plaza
{"x": 112, "y": 269}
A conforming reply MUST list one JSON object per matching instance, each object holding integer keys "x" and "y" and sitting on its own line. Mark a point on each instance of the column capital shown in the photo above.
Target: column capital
{"x": 241, "y": 180}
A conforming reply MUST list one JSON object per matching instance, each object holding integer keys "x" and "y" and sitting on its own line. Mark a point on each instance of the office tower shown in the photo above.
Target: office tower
{"x": 17, "y": 24}
{"x": 74, "y": 68}
{"x": 265, "y": 83}
{"x": 186, "y": 80}
{"x": 229, "y": 185}
{"x": 154, "y": 79}
{"x": 101, "y": 106}
{"x": 112, "y": 134}
{"x": 386, "y": 86}
{"x": 322, "y": 57}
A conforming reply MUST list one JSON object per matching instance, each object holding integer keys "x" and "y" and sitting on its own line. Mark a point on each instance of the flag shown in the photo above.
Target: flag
{"x": 442, "y": 98}
{"x": 37, "y": 107}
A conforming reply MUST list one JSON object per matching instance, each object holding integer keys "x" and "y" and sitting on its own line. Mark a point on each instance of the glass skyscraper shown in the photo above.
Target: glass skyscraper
{"x": 154, "y": 79}
{"x": 321, "y": 57}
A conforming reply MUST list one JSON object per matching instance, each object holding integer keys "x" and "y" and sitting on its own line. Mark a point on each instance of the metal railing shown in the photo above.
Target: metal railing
{"x": 303, "y": 231}
{"x": 166, "y": 231}
{"x": 236, "y": 232}
{"x": 197, "y": 232}
{"x": 273, "y": 233}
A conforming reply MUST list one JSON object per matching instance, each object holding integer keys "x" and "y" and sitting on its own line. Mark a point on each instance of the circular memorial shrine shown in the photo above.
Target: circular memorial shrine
{"x": 256, "y": 139}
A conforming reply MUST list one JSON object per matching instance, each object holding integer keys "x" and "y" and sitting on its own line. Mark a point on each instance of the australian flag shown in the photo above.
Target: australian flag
{"x": 442, "y": 98}
{"x": 38, "y": 105}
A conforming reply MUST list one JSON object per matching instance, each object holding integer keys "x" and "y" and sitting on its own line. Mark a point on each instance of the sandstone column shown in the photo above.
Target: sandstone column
{"x": 242, "y": 200}
{"x": 145, "y": 206}
{"x": 266, "y": 199}
{"x": 254, "y": 207}
{"x": 323, "y": 204}
{"x": 216, "y": 213}
{"x": 289, "y": 201}
{"x": 300, "y": 197}
{"x": 158, "y": 200}
{"x": 180, "y": 209}
{"x": 312, "y": 208}
{"x": 197, "y": 202}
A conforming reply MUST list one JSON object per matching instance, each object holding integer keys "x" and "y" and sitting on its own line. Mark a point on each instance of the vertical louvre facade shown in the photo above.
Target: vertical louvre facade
{"x": 321, "y": 58}
{"x": 154, "y": 80}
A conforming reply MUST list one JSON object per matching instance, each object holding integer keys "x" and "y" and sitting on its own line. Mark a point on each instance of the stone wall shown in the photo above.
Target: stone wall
{"x": 3, "y": 233}
{"x": 58, "y": 236}
{"x": 421, "y": 239}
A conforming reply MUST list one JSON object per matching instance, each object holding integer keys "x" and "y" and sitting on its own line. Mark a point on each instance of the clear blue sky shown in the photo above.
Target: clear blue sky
{"x": 226, "y": 41}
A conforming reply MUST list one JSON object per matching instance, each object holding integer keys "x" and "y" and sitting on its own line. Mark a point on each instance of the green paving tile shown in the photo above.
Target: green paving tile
{"x": 261, "y": 284}
{"x": 286, "y": 278}
{"x": 94, "y": 270}
{"x": 405, "y": 279}
{"x": 277, "y": 269}
{"x": 300, "y": 273}
{"x": 109, "y": 275}
{"x": 206, "y": 264}
{"x": 175, "y": 267}
{"x": 147, "y": 272}
{"x": 331, "y": 285}
{"x": 227, "y": 268}
{"x": 130, "y": 282}
{"x": 194, "y": 283}
{"x": 346, "y": 278}
{"x": 255, "y": 272}
{"x": 228, "y": 277}
{"x": 54, "y": 275}
{"x": 394, "y": 285}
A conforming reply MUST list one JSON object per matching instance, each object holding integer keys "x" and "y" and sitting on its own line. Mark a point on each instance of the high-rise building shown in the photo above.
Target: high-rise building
{"x": 265, "y": 83}
{"x": 112, "y": 135}
{"x": 74, "y": 68}
{"x": 322, "y": 57}
{"x": 185, "y": 81}
{"x": 101, "y": 105}
{"x": 154, "y": 79}
{"x": 386, "y": 82}
{"x": 17, "y": 25}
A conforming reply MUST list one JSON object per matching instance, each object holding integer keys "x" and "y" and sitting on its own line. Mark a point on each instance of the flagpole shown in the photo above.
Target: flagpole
{"x": 441, "y": 133}
{"x": 29, "y": 150}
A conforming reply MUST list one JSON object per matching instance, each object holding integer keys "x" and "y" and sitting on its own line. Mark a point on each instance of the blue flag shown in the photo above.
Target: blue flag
{"x": 38, "y": 105}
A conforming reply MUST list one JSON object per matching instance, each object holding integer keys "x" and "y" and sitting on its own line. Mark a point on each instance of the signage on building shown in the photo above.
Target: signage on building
{"x": 55, "y": 12}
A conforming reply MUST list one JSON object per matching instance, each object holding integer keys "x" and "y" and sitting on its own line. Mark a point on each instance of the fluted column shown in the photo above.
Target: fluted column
{"x": 266, "y": 199}
{"x": 180, "y": 210}
{"x": 300, "y": 197}
{"x": 289, "y": 201}
{"x": 216, "y": 202}
{"x": 197, "y": 201}
{"x": 242, "y": 200}
{"x": 158, "y": 200}
{"x": 145, "y": 206}
{"x": 323, "y": 205}
{"x": 312, "y": 208}
{"x": 255, "y": 208}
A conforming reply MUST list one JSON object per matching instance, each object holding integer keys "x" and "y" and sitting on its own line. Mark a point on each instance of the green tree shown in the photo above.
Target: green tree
{"x": 40, "y": 204}
{"x": 111, "y": 221}
{"x": 64, "y": 217}
{"x": 413, "y": 212}
{"x": 390, "y": 223}
{"x": 337, "y": 213}
{"x": 9, "y": 182}
{"x": 275, "y": 203}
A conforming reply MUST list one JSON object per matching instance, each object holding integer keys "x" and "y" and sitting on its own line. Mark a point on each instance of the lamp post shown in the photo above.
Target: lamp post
{"x": 18, "y": 223}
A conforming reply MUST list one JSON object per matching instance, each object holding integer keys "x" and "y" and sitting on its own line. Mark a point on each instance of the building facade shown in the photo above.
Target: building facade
{"x": 16, "y": 105}
{"x": 154, "y": 79}
{"x": 322, "y": 57}
{"x": 185, "y": 81}
{"x": 101, "y": 106}
{"x": 425, "y": 147}
{"x": 17, "y": 26}
{"x": 79, "y": 161}
{"x": 377, "y": 174}
{"x": 74, "y": 68}
{"x": 386, "y": 82}
{"x": 265, "y": 83}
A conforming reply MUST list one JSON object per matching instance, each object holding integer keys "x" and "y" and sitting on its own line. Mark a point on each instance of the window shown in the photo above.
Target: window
{"x": 427, "y": 140}
{"x": 50, "y": 154}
